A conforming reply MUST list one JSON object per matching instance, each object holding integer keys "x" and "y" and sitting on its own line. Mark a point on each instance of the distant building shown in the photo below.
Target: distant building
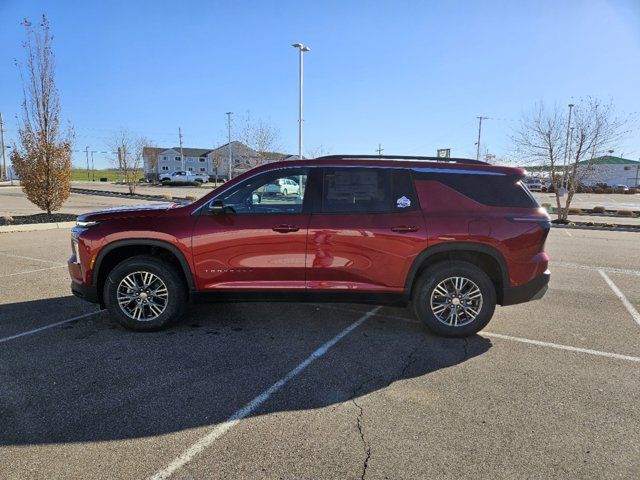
{"x": 607, "y": 169}
{"x": 209, "y": 161}
{"x": 612, "y": 171}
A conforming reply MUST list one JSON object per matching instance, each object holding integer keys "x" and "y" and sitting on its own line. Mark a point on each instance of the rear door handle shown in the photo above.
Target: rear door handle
{"x": 285, "y": 228}
{"x": 404, "y": 229}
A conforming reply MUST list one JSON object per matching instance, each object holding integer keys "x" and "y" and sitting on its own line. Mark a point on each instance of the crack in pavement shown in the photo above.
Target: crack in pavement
{"x": 359, "y": 419}
{"x": 365, "y": 444}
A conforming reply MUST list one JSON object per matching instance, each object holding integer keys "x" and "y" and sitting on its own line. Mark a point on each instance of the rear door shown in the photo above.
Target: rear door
{"x": 365, "y": 231}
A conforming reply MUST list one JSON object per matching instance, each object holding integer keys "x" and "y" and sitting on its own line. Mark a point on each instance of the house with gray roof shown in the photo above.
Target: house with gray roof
{"x": 205, "y": 161}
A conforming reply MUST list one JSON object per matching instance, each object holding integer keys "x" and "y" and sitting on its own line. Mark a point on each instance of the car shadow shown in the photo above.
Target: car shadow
{"x": 91, "y": 380}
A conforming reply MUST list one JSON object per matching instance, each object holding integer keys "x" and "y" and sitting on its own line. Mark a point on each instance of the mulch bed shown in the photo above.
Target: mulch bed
{"x": 38, "y": 218}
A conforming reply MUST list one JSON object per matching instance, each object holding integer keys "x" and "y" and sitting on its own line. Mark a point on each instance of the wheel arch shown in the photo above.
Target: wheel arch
{"x": 486, "y": 257}
{"x": 113, "y": 253}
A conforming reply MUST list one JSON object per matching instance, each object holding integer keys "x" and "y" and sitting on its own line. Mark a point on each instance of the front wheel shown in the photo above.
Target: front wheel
{"x": 454, "y": 299}
{"x": 144, "y": 293}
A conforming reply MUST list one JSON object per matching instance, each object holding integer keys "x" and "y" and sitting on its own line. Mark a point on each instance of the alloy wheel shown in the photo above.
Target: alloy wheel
{"x": 142, "y": 296}
{"x": 456, "y": 301}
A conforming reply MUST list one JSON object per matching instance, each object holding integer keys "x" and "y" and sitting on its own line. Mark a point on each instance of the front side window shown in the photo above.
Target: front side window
{"x": 279, "y": 191}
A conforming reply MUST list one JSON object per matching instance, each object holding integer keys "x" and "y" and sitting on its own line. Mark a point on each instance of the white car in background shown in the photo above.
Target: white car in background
{"x": 183, "y": 176}
{"x": 282, "y": 186}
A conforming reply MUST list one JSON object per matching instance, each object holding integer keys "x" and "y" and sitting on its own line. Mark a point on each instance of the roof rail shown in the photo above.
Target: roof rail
{"x": 402, "y": 157}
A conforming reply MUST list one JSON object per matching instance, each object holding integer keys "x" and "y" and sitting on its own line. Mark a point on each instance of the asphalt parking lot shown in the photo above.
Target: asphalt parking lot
{"x": 549, "y": 390}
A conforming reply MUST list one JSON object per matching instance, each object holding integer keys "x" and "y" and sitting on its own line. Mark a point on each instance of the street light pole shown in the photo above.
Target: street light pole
{"x": 566, "y": 148}
{"x": 229, "y": 143}
{"x": 479, "y": 133}
{"x": 302, "y": 49}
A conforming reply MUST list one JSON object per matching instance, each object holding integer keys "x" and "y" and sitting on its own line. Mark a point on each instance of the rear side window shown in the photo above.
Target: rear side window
{"x": 492, "y": 190}
{"x": 352, "y": 190}
{"x": 367, "y": 190}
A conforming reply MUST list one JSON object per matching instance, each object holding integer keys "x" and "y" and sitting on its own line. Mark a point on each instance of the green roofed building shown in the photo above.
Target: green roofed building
{"x": 606, "y": 169}
{"x": 611, "y": 170}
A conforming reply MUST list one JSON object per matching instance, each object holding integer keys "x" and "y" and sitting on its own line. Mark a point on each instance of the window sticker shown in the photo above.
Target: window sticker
{"x": 403, "y": 202}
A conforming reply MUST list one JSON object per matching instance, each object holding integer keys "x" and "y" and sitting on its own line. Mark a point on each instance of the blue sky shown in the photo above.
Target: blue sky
{"x": 412, "y": 75}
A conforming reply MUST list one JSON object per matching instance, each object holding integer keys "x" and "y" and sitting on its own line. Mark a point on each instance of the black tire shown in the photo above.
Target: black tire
{"x": 167, "y": 273}
{"x": 432, "y": 277}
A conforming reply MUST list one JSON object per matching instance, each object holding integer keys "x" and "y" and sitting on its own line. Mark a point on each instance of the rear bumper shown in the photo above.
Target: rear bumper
{"x": 85, "y": 292}
{"x": 533, "y": 290}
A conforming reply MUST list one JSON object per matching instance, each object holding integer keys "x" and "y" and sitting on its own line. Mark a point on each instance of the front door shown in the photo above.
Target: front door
{"x": 259, "y": 240}
{"x": 367, "y": 230}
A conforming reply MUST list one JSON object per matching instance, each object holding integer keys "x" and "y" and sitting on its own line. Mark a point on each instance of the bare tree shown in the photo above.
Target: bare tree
{"x": 129, "y": 158}
{"x": 260, "y": 136}
{"x": 43, "y": 159}
{"x": 566, "y": 151}
{"x": 319, "y": 151}
{"x": 218, "y": 159}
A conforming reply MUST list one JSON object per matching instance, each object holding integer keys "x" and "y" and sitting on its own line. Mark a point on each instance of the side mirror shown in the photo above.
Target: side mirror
{"x": 216, "y": 207}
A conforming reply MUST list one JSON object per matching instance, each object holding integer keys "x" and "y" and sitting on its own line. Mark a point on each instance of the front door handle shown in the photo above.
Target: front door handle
{"x": 404, "y": 229}
{"x": 285, "y": 228}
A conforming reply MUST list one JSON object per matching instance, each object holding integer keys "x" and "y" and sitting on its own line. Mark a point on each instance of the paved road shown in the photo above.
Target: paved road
{"x": 614, "y": 201}
{"x": 550, "y": 389}
{"x": 14, "y": 202}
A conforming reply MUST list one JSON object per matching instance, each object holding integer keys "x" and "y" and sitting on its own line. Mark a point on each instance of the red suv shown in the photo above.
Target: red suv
{"x": 452, "y": 238}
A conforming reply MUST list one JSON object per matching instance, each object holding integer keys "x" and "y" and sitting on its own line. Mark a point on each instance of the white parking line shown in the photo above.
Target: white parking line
{"x": 579, "y": 266}
{"x": 28, "y": 258}
{"x": 224, "y": 427}
{"x": 562, "y": 347}
{"x": 46, "y": 327}
{"x": 567, "y": 232}
{"x": 31, "y": 271}
{"x": 627, "y": 304}
{"x": 507, "y": 337}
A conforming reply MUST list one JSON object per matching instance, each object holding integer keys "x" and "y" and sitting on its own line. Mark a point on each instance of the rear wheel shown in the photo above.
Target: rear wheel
{"x": 144, "y": 293}
{"x": 454, "y": 299}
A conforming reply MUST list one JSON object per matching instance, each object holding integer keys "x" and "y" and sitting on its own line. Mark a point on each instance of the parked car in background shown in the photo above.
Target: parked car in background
{"x": 448, "y": 238}
{"x": 534, "y": 185}
{"x": 184, "y": 176}
{"x": 282, "y": 186}
{"x": 622, "y": 188}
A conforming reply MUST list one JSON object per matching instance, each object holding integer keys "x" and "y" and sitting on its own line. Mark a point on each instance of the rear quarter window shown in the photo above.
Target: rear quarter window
{"x": 492, "y": 190}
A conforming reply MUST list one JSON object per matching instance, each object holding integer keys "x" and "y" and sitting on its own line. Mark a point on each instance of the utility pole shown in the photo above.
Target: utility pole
{"x": 93, "y": 168}
{"x": 566, "y": 148}
{"x": 181, "y": 154}
{"x": 4, "y": 159}
{"x": 380, "y": 150}
{"x": 229, "y": 143}
{"x": 480, "y": 118}
{"x": 302, "y": 49}
{"x": 86, "y": 151}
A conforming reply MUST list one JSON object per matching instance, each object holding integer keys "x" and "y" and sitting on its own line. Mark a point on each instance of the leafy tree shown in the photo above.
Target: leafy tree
{"x": 42, "y": 160}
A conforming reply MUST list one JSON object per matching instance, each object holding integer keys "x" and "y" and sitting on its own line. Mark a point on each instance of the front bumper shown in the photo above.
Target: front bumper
{"x": 85, "y": 292}
{"x": 533, "y": 290}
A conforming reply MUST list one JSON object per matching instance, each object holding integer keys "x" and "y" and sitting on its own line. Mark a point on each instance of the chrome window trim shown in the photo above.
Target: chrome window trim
{"x": 416, "y": 169}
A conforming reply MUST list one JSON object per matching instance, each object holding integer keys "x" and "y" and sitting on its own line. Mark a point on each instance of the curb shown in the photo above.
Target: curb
{"x": 615, "y": 228}
{"x": 30, "y": 227}
{"x": 137, "y": 196}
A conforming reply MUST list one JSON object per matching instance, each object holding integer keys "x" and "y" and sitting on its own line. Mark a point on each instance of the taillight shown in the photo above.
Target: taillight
{"x": 542, "y": 222}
